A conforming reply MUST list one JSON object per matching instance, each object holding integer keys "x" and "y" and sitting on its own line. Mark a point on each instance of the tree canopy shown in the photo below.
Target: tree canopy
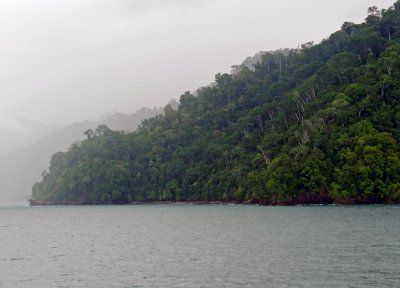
{"x": 318, "y": 124}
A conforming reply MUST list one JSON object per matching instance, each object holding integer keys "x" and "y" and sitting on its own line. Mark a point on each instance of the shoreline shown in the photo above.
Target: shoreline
{"x": 348, "y": 202}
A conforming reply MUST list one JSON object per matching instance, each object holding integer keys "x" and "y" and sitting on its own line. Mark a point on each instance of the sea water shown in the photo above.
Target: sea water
{"x": 199, "y": 246}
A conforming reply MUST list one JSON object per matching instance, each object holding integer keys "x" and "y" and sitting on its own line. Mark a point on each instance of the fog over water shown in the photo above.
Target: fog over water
{"x": 70, "y": 60}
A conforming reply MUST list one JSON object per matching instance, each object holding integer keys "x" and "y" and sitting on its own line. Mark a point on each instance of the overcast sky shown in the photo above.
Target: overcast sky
{"x": 69, "y": 60}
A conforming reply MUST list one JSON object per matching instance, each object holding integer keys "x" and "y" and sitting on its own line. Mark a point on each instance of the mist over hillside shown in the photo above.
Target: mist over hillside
{"x": 20, "y": 168}
{"x": 251, "y": 61}
{"x": 21, "y": 133}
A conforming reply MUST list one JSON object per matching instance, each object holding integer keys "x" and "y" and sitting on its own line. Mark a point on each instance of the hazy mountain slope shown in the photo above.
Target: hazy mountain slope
{"x": 22, "y": 167}
{"x": 318, "y": 125}
{"x": 21, "y": 133}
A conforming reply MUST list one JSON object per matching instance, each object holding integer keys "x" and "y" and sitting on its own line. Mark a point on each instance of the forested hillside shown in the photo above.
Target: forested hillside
{"x": 21, "y": 168}
{"x": 318, "y": 125}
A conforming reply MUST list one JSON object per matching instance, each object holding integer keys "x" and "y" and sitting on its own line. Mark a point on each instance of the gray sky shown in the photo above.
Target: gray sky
{"x": 69, "y": 60}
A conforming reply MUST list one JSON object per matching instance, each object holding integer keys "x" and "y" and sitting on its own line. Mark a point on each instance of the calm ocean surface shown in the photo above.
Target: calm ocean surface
{"x": 200, "y": 246}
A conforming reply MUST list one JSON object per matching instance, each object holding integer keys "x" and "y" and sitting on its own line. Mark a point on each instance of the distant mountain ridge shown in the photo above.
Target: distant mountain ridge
{"x": 21, "y": 133}
{"x": 23, "y": 166}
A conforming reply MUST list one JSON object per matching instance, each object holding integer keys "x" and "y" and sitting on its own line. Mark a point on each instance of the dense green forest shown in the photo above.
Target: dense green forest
{"x": 318, "y": 124}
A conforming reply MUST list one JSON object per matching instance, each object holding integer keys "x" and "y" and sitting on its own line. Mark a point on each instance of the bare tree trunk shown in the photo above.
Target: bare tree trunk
{"x": 286, "y": 122}
{"x": 337, "y": 46}
{"x": 246, "y": 132}
{"x": 271, "y": 114}
{"x": 266, "y": 158}
{"x": 259, "y": 122}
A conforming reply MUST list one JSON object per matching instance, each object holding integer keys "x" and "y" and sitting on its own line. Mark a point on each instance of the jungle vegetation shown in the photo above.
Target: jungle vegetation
{"x": 318, "y": 124}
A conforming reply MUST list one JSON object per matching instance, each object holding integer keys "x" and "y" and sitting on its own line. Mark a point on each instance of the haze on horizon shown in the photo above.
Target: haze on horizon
{"x": 70, "y": 60}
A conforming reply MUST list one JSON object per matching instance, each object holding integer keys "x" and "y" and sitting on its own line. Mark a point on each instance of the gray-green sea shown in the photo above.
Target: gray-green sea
{"x": 199, "y": 246}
